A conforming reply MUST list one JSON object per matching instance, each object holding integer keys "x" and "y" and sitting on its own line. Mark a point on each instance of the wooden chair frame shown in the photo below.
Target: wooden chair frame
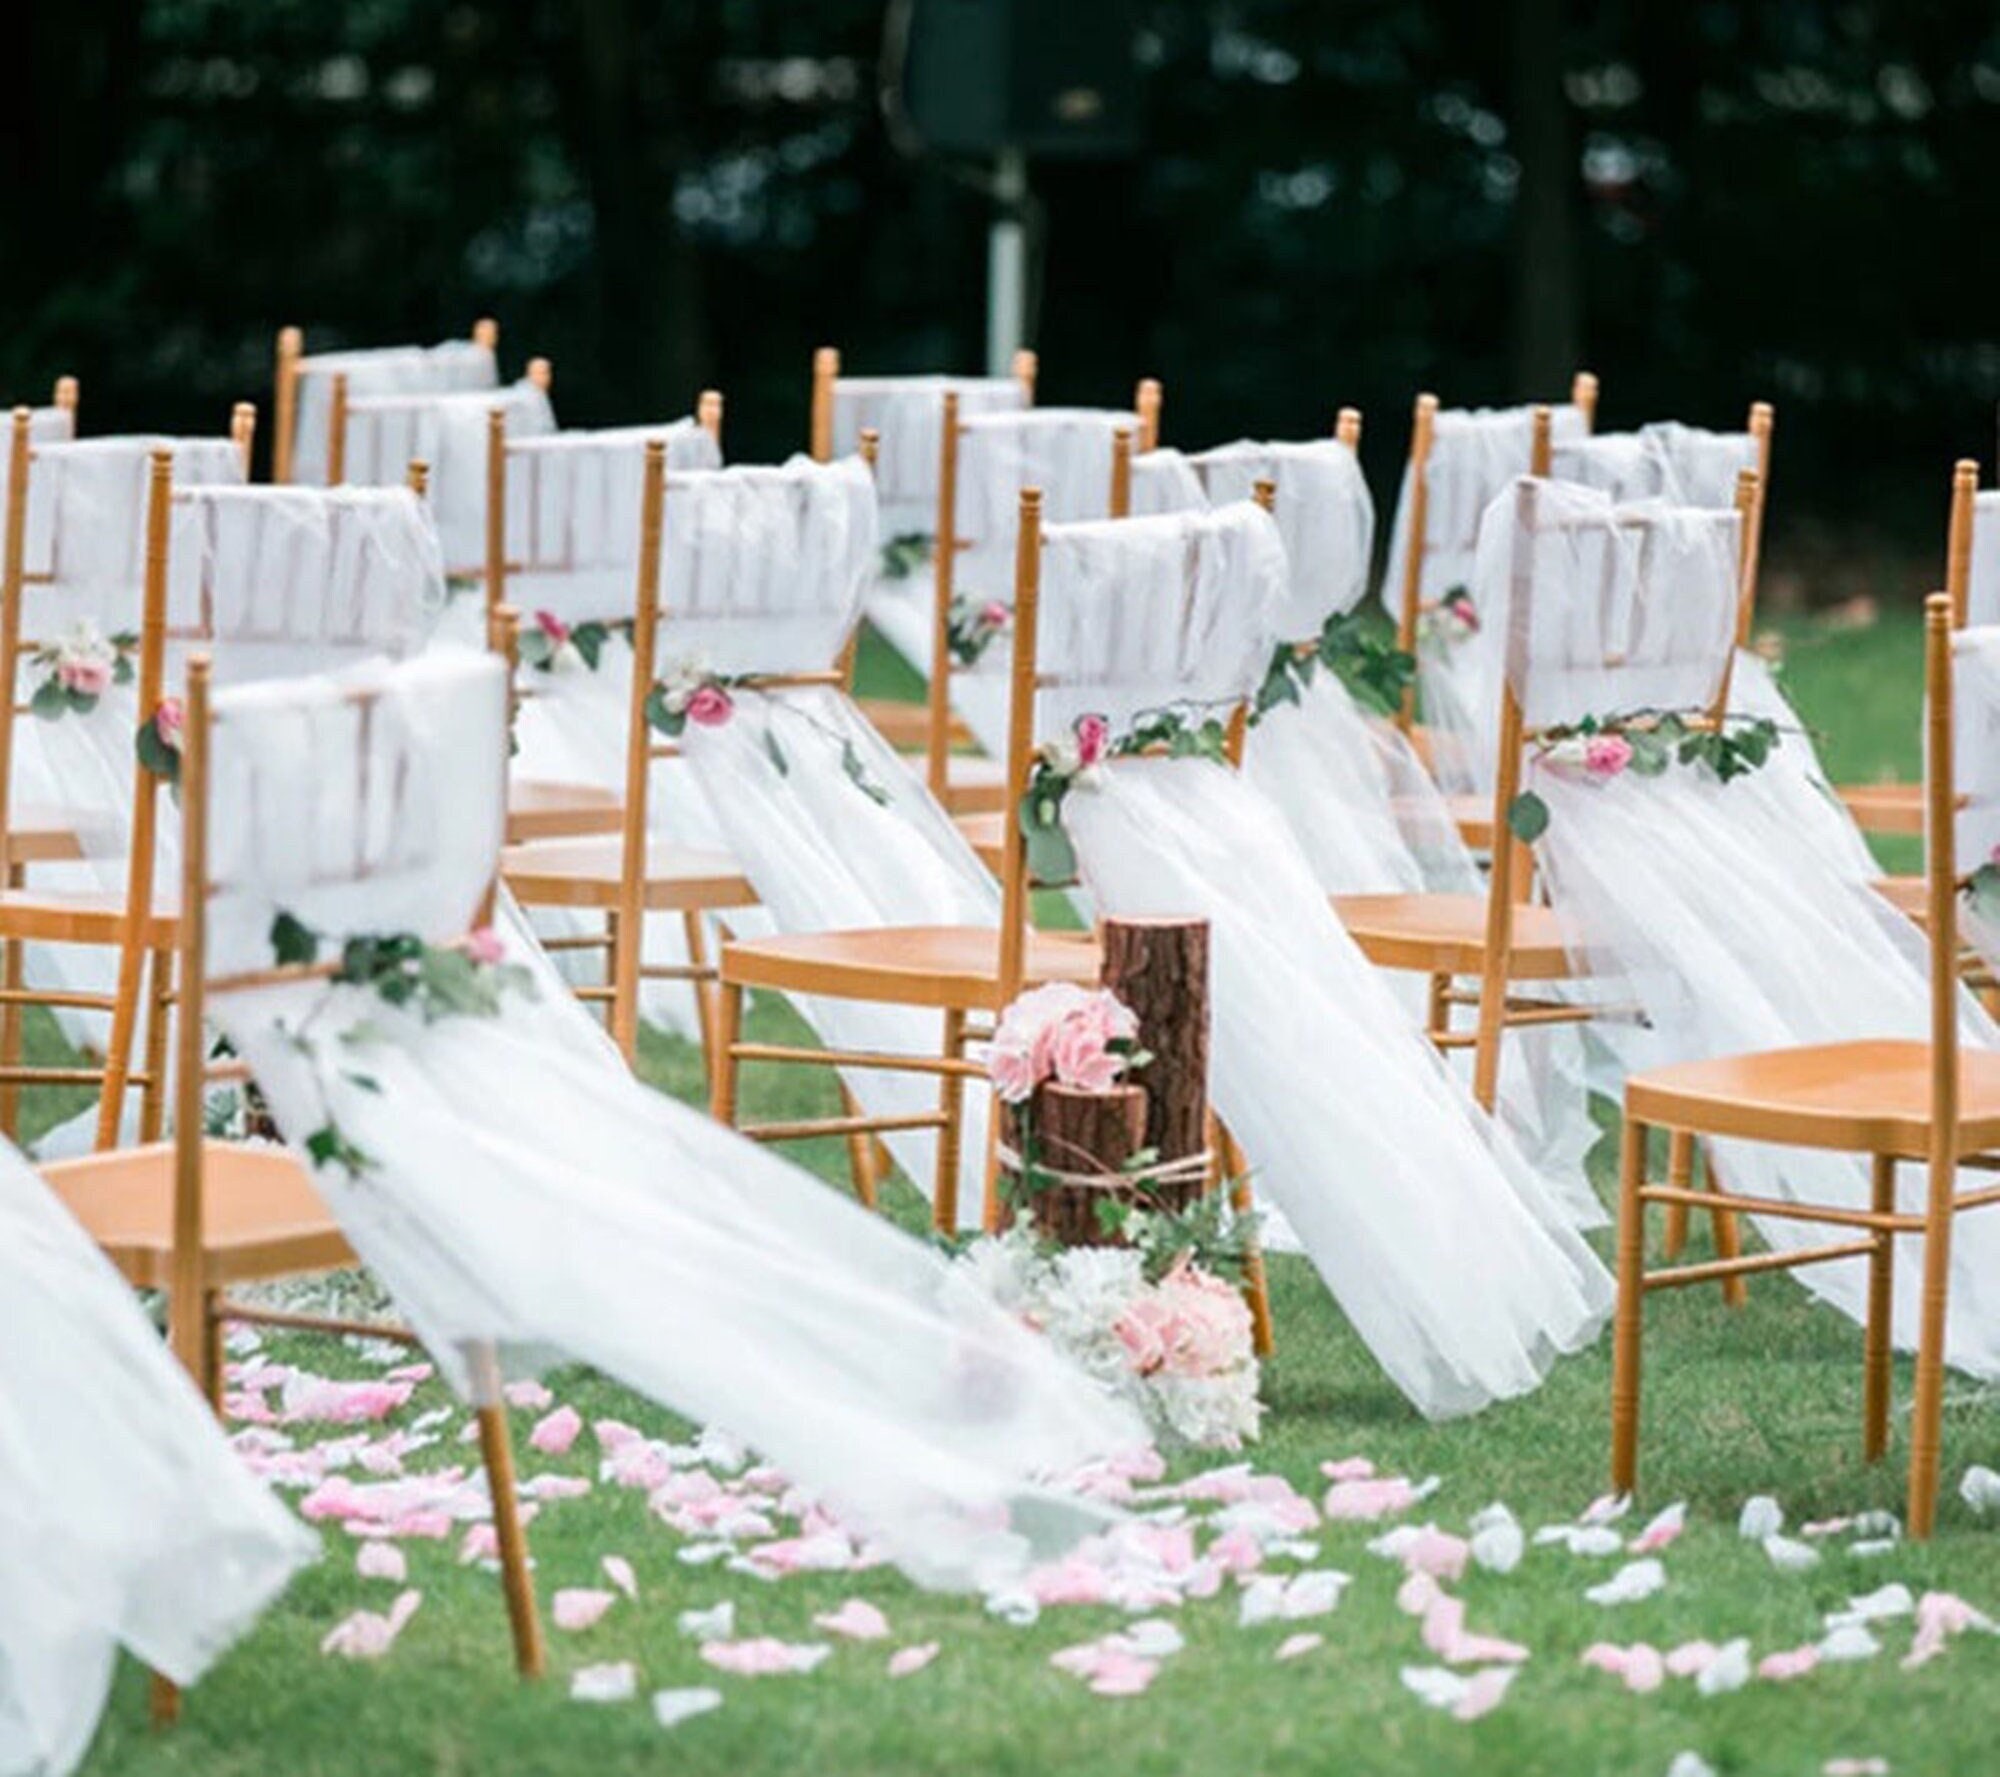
{"x": 51, "y": 836}
{"x": 290, "y": 358}
{"x": 1941, "y": 1133}
{"x": 1011, "y": 972}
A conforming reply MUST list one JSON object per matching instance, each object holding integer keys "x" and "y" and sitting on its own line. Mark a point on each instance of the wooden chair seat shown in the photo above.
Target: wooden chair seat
{"x": 1446, "y": 935}
{"x": 1860, "y": 1097}
{"x": 907, "y": 726}
{"x": 261, "y": 1216}
{"x": 86, "y": 917}
{"x": 1896, "y": 809}
{"x": 1472, "y": 815}
{"x": 540, "y": 809}
{"x": 974, "y": 784}
{"x": 587, "y": 873}
{"x": 955, "y": 967}
{"x": 43, "y": 836}
{"x": 986, "y": 834}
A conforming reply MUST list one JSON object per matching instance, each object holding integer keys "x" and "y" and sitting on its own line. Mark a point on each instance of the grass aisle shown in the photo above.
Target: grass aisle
{"x": 1766, "y": 1400}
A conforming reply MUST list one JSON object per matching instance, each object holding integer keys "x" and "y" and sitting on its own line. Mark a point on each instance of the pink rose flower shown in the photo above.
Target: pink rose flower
{"x": 1079, "y": 1057}
{"x": 709, "y": 706}
{"x": 1093, "y": 740}
{"x": 995, "y": 615}
{"x": 170, "y": 723}
{"x": 1011, "y": 1066}
{"x": 485, "y": 946}
{"x": 86, "y": 674}
{"x": 1606, "y": 755}
{"x": 553, "y": 627}
{"x": 1210, "y": 1321}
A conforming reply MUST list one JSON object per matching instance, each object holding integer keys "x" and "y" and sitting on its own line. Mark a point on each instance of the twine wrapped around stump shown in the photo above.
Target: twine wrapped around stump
{"x": 1085, "y": 1145}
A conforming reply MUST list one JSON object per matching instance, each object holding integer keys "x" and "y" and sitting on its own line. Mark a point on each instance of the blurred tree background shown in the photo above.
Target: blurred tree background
{"x": 1340, "y": 201}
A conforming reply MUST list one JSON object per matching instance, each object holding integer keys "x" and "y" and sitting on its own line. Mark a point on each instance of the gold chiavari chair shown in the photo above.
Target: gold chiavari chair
{"x": 1935, "y": 1104}
{"x": 1515, "y": 948}
{"x": 626, "y": 875}
{"x": 32, "y": 836}
{"x": 197, "y": 1217}
{"x": 296, "y": 404}
{"x": 542, "y": 808}
{"x": 964, "y": 972}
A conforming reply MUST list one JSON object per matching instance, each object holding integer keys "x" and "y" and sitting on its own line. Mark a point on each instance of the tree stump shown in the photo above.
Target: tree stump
{"x": 1090, "y": 1134}
{"x": 1159, "y": 967}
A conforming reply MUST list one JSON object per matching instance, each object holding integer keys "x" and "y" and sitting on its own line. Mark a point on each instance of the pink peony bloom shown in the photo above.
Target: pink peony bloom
{"x": 709, "y": 706}
{"x": 88, "y": 674}
{"x": 485, "y": 946}
{"x": 1606, "y": 755}
{"x": 1079, "y": 1057}
{"x": 553, "y": 627}
{"x": 1211, "y": 1322}
{"x": 170, "y": 722}
{"x": 1012, "y": 1069}
{"x": 1093, "y": 740}
{"x": 1146, "y": 1330}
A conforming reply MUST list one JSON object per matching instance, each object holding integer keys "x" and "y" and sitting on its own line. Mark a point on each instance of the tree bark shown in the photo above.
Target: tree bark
{"x": 1159, "y": 968}
{"x": 1086, "y": 1133}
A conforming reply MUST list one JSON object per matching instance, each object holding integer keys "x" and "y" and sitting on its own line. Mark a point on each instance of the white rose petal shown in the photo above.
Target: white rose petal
{"x": 1762, "y": 1517}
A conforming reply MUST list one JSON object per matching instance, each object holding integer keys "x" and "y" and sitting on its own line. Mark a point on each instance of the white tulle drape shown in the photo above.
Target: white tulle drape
{"x": 1696, "y": 899}
{"x": 386, "y": 433}
{"x": 1446, "y": 1252}
{"x": 907, "y": 414}
{"x": 457, "y": 364}
{"x": 533, "y": 1200}
{"x": 126, "y": 1521}
{"x": 1976, "y": 773}
{"x": 1983, "y": 588}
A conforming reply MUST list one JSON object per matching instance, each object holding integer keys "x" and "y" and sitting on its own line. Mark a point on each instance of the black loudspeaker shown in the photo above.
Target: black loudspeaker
{"x": 1049, "y": 77}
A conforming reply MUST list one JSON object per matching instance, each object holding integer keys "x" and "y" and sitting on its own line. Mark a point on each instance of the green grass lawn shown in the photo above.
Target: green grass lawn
{"x": 1762, "y": 1400}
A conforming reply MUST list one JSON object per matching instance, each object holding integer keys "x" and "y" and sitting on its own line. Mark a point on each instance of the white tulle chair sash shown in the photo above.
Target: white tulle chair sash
{"x": 907, "y": 412}
{"x": 1976, "y": 771}
{"x": 460, "y": 364}
{"x": 1983, "y": 581}
{"x": 1324, "y": 514}
{"x": 1064, "y": 451}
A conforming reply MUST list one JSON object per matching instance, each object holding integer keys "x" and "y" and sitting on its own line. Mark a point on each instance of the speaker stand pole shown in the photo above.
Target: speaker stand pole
{"x": 1007, "y": 264}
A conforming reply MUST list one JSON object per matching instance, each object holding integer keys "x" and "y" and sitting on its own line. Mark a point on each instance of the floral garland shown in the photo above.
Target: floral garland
{"x": 903, "y": 555}
{"x": 1453, "y": 619}
{"x": 160, "y": 738}
{"x": 691, "y": 692}
{"x": 79, "y": 668}
{"x": 1982, "y": 890}
{"x": 467, "y": 980}
{"x": 972, "y": 625}
{"x": 554, "y": 646}
{"x": 1645, "y": 743}
{"x": 1375, "y": 673}
{"x": 1059, "y": 765}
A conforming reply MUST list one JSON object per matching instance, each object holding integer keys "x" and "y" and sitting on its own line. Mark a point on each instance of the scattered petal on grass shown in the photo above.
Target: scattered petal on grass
{"x": 1728, "y": 1671}
{"x": 615, "y": 1682}
{"x": 1761, "y": 1517}
{"x": 1466, "y": 1696}
{"x": 1660, "y": 1531}
{"x": 907, "y": 1660}
{"x": 1850, "y": 1642}
{"x": 554, "y": 1434}
{"x": 1690, "y": 1659}
{"x": 576, "y": 1608}
{"x": 1788, "y": 1555}
{"x": 857, "y": 1620}
{"x": 529, "y": 1395}
{"x": 1498, "y": 1542}
{"x": 1791, "y": 1663}
{"x": 1640, "y": 1665}
{"x": 717, "y": 1623}
{"x": 1446, "y": 1635}
{"x": 378, "y": 1560}
{"x": 1594, "y": 1540}
{"x": 1855, "y": 1767}
{"x": 1941, "y": 1615}
{"x": 1633, "y": 1581}
{"x": 368, "y": 1634}
{"x": 1294, "y": 1646}
{"x": 619, "y": 1572}
{"x": 1270, "y": 1598}
{"x": 1980, "y": 1489}
{"x": 671, "y": 1708}
{"x": 1606, "y": 1508}
{"x": 1690, "y": 1764}
{"x": 1382, "y": 1496}
{"x": 763, "y": 1656}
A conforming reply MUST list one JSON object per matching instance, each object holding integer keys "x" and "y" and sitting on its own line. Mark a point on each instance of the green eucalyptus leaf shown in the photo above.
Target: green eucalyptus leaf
{"x": 1527, "y": 817}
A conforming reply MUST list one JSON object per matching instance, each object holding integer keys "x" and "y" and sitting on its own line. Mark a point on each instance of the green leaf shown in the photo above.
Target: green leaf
{"x": 670, "y": 722}
{"x": 535, "y": 649}
{"x": 49, "y": 701}
{"x": 588, "y": 639}
{"x": 327, "y": 1146}
{"x": 1051, "y": 859}
{"x": 1527, "y": 817}
{"x": 1982, "y": 893}
{"x": 293, "y": 941}
{"x": 155, "y": 755}
{"x": 857, "y": 774}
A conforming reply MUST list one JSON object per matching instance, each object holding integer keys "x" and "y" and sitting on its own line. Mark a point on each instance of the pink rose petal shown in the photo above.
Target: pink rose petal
{"x": 1293, "y": 1646}
{"x": 367, "y": 1634}
{"x": 554, "y": 1434}
{"x": 857, "y": 1620}
{"x": 619, "y": 1572}
{"x": 578, "y": 1607}
{"x": 381, "y": 1561}
{"x": 907, "y": 1660}
{"x": 529, "y": 1395}
{"x": 1791, "y": 1663}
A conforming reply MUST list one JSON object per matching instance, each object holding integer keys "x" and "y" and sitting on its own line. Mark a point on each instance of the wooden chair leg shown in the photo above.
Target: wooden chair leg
{"x": 1680, "y": 1174}
{"x": 498, "y": 1454}
{"x": 118, "y": 1051}
{"x": 704, "y": 992}
{"x": 1876, "y": 1375}
{"x": 728, "y": 1030}
{"x": 165, "y": 1702}
{"x": 860, "y": 1153}
{"x": 1728, "y": 1233}
{"x": 159, "y": 1006}
{"x": 951, "y": 1107}
{"x": 1630, "y": 1312}
{"x": 1927, "y": 1408}
{"x": 1256, "y": 1281}
{"x": 14, "y": 972}
{"x": 1438, "y": 1020}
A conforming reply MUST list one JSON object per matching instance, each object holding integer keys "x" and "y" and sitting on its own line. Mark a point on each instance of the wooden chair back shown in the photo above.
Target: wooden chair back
{"x": 823, "y": 429}
{"x": 1942, "y": 880}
